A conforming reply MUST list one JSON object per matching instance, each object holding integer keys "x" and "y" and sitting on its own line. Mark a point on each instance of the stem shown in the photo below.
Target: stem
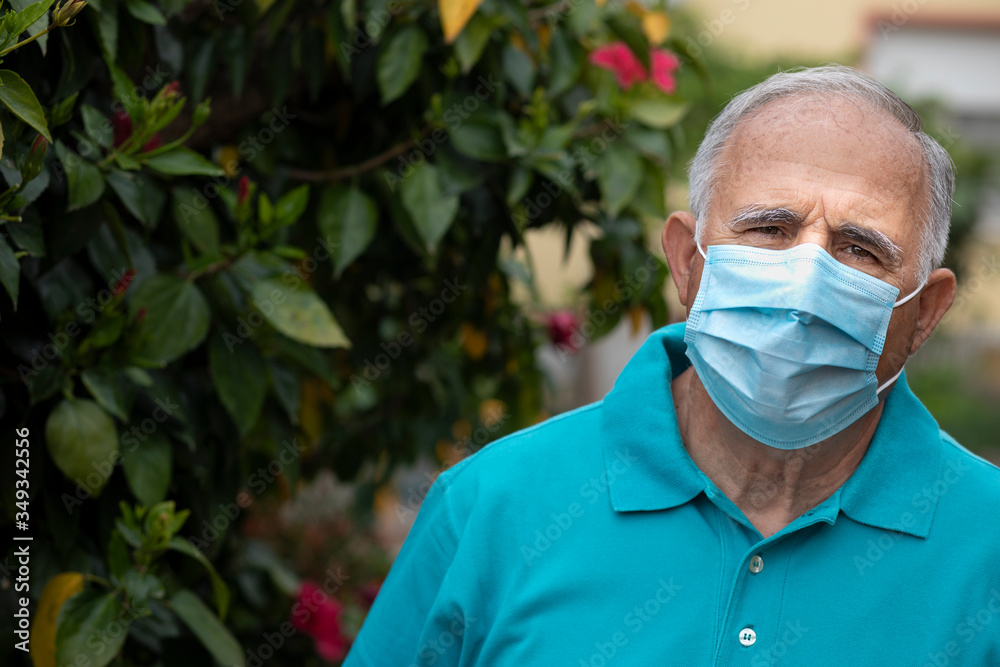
{"x": 25, "y": 41}
{"x": 360, "y": 168}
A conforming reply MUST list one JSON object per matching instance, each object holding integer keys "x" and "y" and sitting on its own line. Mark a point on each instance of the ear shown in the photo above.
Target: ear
{"x": 680, "y": 250}
{"x": 934, "y": 301}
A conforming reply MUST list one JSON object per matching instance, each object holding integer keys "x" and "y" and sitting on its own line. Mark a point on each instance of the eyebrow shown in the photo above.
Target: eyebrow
{"x": 756, "y": 215}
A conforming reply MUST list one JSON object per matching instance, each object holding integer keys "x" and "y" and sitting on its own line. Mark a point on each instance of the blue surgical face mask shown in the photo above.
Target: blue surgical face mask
{"x": 786, "y": 341}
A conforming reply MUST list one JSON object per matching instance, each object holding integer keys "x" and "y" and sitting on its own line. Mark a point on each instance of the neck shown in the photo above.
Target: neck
{"x": 771, "y": 486}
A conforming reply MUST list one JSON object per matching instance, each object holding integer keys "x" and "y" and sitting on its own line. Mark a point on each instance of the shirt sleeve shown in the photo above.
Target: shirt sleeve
{"x": 413, "y": 619}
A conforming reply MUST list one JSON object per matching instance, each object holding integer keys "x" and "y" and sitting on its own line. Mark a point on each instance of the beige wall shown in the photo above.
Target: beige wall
{"x": 812, "y": 30}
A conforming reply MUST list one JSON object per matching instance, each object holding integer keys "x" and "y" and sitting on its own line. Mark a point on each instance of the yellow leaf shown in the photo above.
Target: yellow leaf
{"x": 656, "y": 26}
{"x": 474, "y": 342}
{"x": 544, "y": 32}
{"x": 229, "y": 160}
{"x": 635, "y": 9}
{"x": 43, "y": 630}
{"x": 636, "y": 313}
{"x": 600, "y": 3}
{"x": 454, "y": 15}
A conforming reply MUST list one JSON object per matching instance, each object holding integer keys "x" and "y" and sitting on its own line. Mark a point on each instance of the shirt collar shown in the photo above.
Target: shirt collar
{"x": 638, "y": 420}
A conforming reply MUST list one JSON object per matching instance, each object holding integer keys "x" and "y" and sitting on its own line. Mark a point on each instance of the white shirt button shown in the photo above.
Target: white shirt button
{"x": 747, "y": 636}
{"x": 756, "y": 564}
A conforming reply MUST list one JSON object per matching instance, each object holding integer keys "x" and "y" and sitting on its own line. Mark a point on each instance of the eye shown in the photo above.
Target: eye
{"x": 768, "y": 230}
{"x": 859, "y": 252}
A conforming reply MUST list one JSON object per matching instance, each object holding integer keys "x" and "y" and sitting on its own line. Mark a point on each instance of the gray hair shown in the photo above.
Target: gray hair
{"x": 835, "y": 79}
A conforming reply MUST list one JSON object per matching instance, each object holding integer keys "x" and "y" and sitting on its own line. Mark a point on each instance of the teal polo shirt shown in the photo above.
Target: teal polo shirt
{"x": 593, "y": 540}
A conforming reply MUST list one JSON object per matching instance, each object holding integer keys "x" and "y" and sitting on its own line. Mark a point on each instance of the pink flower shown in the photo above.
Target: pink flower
{"x": 318, "y": 615}
{"x": 664, "y": 65}
{"x": 561, "y": 326}
{"x": 618, "y": 58}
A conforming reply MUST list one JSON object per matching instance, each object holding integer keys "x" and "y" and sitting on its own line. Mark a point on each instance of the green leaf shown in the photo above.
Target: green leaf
{"x": 287, "y": 388}
{"x": 147, "y": 466}
{"x": 472, "y": 40}
{"x": 399, "y": 62}
{"x": 143, "y": 198}
{"x": 619, "y": 174}
{"x": 20, "y": 99}
{"x": 659, "y": 113}
{"x": 479, "y": 139}
{"x": 565, "y": 63}
{"x": 208, "y": 629}
{"x": 291, "y": 205}
{"x": 107, "y": 28}
{"x": 102, "y": 383}
{"x": 145, "y": 12}
{"x": 96, "y": 125}
{"x": 85, "y": 181}
{"x": 219, "y": 588}
{"x": 32, "y": 18}
{"x": 62, "y": 111}
{"x": 83, "y": 442}
{"x": 650, "y": 199}
{"x": 196, "y": 220}
{"x": 347, "y": 219}
{"x": 82, "y": 631}
{"x": 175, "y": 322}
{"x": 10, "y": 270}
{"x": 183, "y": 161}
{"x": 298, "y": 313}
{"x": 519, "y": 69}
{"x": 240, "y": 379}
{"x": 431, "y": 210}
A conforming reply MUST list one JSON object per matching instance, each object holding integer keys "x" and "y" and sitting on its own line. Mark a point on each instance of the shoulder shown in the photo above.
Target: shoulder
{"x": 536, "y": 466}
{"x": 968, "y": 493}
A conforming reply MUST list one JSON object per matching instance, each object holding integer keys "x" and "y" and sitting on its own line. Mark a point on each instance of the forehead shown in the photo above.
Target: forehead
{"x": 820, "y": 150}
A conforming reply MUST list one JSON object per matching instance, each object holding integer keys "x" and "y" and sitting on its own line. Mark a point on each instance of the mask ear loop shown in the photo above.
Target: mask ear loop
{"x": 700, "y": 250}
{"x": 896, "y": 305}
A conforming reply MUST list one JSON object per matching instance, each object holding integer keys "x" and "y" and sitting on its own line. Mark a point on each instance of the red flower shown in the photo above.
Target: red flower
{"x": 171, "y": 89}
{"x": 318, "y": 615}
{"x": 121, "y": 123}
{"x": 39, "y": 142}
{"x": 664, "y": 65}
{"x": 123, "y": 284}
{"x": 122, "y": 126}
{"x": 618, "y": 58}
{"x": 561, "y": 326}
{"x": 244, "y": 190}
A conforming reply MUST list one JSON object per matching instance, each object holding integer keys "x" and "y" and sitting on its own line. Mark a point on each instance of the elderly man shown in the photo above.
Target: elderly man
{"x": 760, "y": 486}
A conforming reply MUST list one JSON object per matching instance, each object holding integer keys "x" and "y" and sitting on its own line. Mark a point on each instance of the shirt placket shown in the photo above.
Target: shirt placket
{"x": 751, "y": 624}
